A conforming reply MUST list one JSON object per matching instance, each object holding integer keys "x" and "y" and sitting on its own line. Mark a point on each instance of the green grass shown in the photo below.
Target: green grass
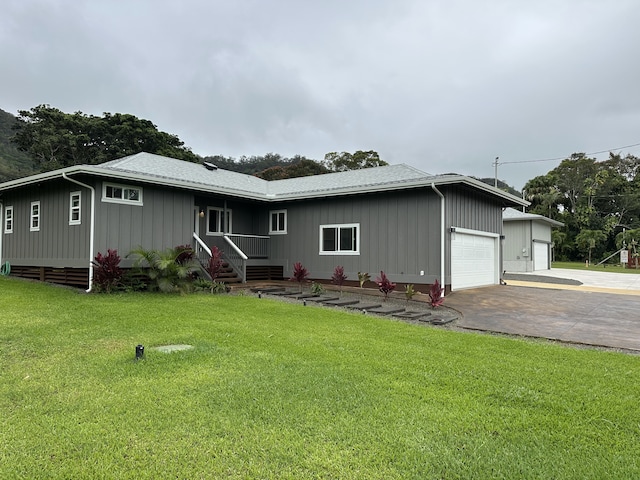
{"x": 274, "y": 390}
{"x": 596, "y": 268}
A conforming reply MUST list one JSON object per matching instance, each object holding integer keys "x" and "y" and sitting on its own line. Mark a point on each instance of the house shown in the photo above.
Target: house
{"x": 415, "y": 226}
{"x": 527, "y": 241}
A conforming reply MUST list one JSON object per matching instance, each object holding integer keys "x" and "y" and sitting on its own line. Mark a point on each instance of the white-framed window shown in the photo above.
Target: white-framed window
{"x": 74, "y": 208}
{"x": 278, "y": 221}
{"x": 341, "y": 239}
{"x": 115, "y": 193}
{"x": 8, "y": 219}
{"x": 34, "y": 224}
{"x": 215, "y": 222}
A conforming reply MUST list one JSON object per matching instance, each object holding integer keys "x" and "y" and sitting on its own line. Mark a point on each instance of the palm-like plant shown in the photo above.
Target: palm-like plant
{"x": 167, "y": 270}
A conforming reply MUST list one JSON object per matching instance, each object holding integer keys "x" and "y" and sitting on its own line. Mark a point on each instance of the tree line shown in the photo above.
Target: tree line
{"x": 598, "y": 202}
{"x": 55, "y": 139}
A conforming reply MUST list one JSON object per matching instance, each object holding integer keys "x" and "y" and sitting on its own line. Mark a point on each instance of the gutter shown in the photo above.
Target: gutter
{"x": 442, "y": 237}
{"x": 92, "y": 225}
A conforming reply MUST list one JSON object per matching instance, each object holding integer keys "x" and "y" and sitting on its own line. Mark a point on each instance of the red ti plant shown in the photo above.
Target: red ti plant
{"x": 300, "y": 274}
{"x": 338, "y": 277}
{"x": 435, "y": 294}
{"x": 385, "y": 285}
{"x": 215, "y": 263}
{"x": 107, "y": 273}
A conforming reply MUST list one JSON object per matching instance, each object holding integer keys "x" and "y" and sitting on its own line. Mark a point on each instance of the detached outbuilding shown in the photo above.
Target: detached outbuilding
{"x": 415, "y": 226}
{"x": 527, "y": 241}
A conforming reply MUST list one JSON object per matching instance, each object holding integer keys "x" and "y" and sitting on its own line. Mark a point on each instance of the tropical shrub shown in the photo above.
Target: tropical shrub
{"x": 338, "y": 278}
{"x": 409, "y": 291}
{"x": 107, "y": 274}
{"x": 300, "y": 274}
{"x": 316, "y": 288}
{"x": 168, "y": 270}
{"x": 363, "y": 278}
{"x": 385, "y": 285}
{"x": 435, "y": 294}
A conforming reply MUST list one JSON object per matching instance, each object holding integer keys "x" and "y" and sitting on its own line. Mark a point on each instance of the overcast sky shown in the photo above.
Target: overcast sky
{"x": 442, "y": 85}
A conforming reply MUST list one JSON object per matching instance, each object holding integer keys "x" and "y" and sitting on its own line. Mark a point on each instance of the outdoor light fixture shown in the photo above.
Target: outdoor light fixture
{"x": 139, "y": 352}
{"x": 201, "y": 214}
{"x": 259, "y": 294}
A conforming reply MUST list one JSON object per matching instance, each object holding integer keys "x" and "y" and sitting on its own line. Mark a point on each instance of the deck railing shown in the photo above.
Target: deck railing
{"x": 236, "y": 250}
{"x": 252, "y": 246}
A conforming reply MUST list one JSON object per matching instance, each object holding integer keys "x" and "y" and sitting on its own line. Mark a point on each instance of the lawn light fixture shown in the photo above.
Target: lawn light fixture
{"x": 304, "y": 303}
{"x": 139, "y": 352}
{"x": 259, "y": 294}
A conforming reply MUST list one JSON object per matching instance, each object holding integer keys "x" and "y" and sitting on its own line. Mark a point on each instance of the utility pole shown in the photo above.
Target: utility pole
{"x": 495, "y": 164}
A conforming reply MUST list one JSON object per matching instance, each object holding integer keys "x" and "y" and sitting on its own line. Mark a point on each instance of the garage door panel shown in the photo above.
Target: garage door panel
{"x": 473, "y": 261}
{"x": 540, "y": 256}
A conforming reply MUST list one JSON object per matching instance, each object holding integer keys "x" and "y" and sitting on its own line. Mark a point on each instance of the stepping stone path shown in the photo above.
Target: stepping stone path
{"x": 387, "y": 310}
{"x": 324, "y": 298}
{"x": 412, "y": 315}
{"x": 341, "y": 302}
{"x": 364, "y": 306}
{"x": 439, "y": 317}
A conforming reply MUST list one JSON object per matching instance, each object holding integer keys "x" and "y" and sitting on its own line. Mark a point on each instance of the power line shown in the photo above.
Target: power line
{"x": 563, "y": 158}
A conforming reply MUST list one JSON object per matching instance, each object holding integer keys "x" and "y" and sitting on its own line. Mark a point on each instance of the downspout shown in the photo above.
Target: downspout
{"x": 91, "y": 227}
{"x": 442, "y": 236}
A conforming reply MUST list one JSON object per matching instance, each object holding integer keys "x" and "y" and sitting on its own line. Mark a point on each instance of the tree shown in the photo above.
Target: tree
{"x": 303, "y": 167}
{"x": 56, "y": 139}
{"x": 341, "y": 162}
{"x": 588, "y": 240}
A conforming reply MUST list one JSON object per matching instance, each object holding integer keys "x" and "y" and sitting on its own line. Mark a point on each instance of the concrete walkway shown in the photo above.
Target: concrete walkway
{"x": 590, "y": 280}
{"x": 603, "y": 311}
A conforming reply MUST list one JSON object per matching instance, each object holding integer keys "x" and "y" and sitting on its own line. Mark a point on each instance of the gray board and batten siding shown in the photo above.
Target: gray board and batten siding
{"x": 56, "y": 243}
{"x": 399, "y": 232}
{"x": 395, "y": 208}
{"x": 163, "y": 219}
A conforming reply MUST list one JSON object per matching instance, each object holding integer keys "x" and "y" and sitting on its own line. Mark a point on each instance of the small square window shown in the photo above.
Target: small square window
{"x": 278, "y": 222}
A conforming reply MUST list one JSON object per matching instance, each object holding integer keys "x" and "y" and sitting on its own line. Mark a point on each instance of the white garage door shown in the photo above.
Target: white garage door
{"x": 540, "y": 256}
{"x": 474, "y": 258}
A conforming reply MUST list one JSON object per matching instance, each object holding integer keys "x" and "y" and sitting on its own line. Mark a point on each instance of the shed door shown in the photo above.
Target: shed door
{"x": 474, "y": 259}
{"x": 540, "y": 256}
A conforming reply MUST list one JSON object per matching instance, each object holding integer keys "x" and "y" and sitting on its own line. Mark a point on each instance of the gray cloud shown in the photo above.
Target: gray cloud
{"x": 441, "y": 85}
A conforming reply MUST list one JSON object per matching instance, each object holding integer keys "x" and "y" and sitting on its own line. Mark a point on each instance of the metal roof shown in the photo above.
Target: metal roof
{"x": 156, "y": 169}
{"x": 511, "y": 214}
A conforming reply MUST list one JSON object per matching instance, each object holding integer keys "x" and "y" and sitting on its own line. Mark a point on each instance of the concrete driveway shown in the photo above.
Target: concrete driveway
{"x": 592, "y": 308}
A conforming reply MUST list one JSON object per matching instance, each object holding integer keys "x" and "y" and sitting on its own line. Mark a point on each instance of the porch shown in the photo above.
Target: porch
{"x": 247, "y": 255}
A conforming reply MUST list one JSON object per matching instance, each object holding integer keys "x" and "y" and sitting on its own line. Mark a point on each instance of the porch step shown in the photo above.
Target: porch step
{"x": 227, "y": 274}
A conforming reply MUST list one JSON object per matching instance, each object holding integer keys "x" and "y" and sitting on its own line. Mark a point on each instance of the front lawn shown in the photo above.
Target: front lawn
{"x": 275, "y": 390}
